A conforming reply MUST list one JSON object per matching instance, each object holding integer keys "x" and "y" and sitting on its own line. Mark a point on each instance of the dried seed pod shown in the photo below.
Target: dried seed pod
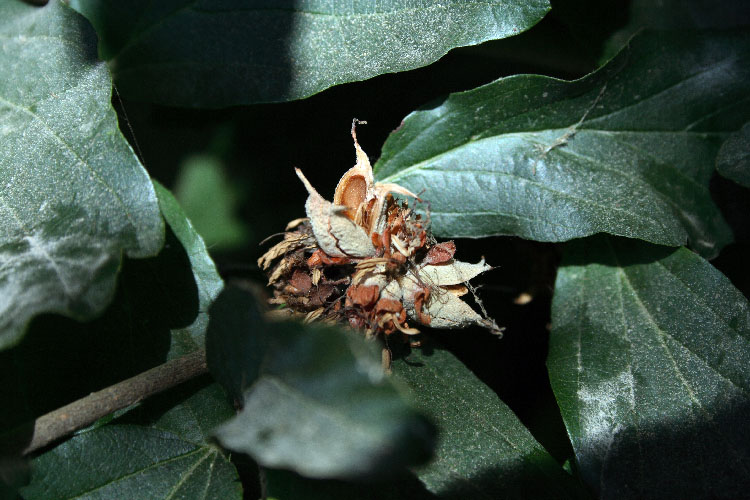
{"x": 336, "y": 234}
{"x": 370, "y": 261}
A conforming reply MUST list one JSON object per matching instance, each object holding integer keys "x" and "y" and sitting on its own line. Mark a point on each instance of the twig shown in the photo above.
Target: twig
{"x": 79, "y": 414}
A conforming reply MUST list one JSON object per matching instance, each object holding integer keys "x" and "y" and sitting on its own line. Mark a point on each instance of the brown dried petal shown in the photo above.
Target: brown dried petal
{"x": 320, "y": 294}
{"x": 388, "y": 305}
{"x": 440, "y": 253}
{"x": 362, "y": 295}
{"x": 301, "y": 281}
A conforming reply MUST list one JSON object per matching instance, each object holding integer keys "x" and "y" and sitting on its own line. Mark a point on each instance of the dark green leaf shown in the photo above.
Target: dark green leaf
{"x": 207, "y": 55}
{"x": 159, "y": 312}
{"x": 679, "y": 14}
{"x": 648, "y": 358}
{"x": 733, "y": 160}
{"x": 627, "y": 150}
{"x": 207, "y": 279}
{"x": 484, "y": 451}
{"x": 170, "y": 459}
{"x": 315, "y": 400}
{"x": 73, "y": 195}
{"x": 209, "y": 200}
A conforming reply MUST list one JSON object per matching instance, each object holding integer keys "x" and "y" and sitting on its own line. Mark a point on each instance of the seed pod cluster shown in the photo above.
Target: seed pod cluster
{"x": 370, "y": 260}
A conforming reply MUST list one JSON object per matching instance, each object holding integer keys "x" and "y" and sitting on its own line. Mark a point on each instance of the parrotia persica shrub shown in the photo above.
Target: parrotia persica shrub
{"x": 530, "y": 286}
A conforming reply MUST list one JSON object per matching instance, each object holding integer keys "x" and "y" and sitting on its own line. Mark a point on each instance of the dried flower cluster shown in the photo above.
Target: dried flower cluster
{"x": 370, "y": 260}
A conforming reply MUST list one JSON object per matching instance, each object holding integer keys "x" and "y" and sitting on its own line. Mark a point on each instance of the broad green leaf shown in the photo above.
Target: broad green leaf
{"x": 73, "y": 195}
{"x": 160, "y": 311}
{"x": 169, "y": 459}
{"x": 484, "y": 451}
{"x": 649, "y": 360}
{"x": 203, "y": 54}
{"x": 209, "y": 200}
{"x": 315, "y": 399}
{"x": 627, "y": 150}
{"x": 207, "y": 279}
{"x": 733, "y": 160}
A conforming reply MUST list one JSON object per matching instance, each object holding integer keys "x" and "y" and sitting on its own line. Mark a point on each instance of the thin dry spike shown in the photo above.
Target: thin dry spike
{"x": 355, "y": 121}
{"x": 311, "y": 190}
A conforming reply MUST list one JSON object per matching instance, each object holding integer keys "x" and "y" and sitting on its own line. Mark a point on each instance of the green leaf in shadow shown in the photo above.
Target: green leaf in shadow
{"x": 484, "y": 451}
{"x": 315, "y": 399}
{"x": 678, "y": 15}
{"x": 284, "y": 50}
{"x": 170, "y": 457}
{"x": 160, "y": 311}
{"x": 73, "y": 194}
{"x": 207, "y": 279}
{"x": 733, "y": 160}
{"x": 627, "y": 150}
{"x": 648, "y": 359}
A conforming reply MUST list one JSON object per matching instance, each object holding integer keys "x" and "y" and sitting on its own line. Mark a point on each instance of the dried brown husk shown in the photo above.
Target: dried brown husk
{"x": 369, "y": 260}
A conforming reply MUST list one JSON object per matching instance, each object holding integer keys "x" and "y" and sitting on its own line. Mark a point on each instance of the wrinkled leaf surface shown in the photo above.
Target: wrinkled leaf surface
{"x": 73, "y": 195}
{"x": 648, "y": 359}
{"x": 264, "y": 51}
{"x": 315, "y": 400}
{"x": 628, "y": 150}
{"x": 483, "y": 451}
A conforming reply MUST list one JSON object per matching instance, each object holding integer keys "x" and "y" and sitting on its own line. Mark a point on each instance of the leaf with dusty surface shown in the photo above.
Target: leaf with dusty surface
{"x": 627, "y": 150}
{"x": 73, "y": 195}
{"x": 315, "y": 399}
{"x": 284, "y": 50}
{"x": 168, "y": 459}
{"x": 733, "y": 160}
{"x": 648, "y": 359}
{"x": 484, "y": 451}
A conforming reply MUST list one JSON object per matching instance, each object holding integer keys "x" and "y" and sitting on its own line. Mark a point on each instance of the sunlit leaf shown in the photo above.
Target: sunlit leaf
{"x": 73, "y": 196}
{"x": 628, "y": 150}
{"x": 282, "y": 50}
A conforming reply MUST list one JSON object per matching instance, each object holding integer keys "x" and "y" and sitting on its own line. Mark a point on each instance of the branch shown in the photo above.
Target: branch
{"x": 79, "y": 414}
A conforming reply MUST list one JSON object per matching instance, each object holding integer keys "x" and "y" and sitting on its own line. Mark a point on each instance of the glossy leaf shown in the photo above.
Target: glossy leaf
{"x": 627, "y": 150}
{"x": 733, "y": 161}
{"x": 73, "y": 195}
{"x": 159, "y": 312}
{"x": 276, "y": 51}
{"x": 315, "y": 399}
{"x": 161, "y": 449}
{"x": 169, "y": 459}
{"x": 484, "y": 451}
{"x": 207, "y": 280}
{"x": 648, "y": 359}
